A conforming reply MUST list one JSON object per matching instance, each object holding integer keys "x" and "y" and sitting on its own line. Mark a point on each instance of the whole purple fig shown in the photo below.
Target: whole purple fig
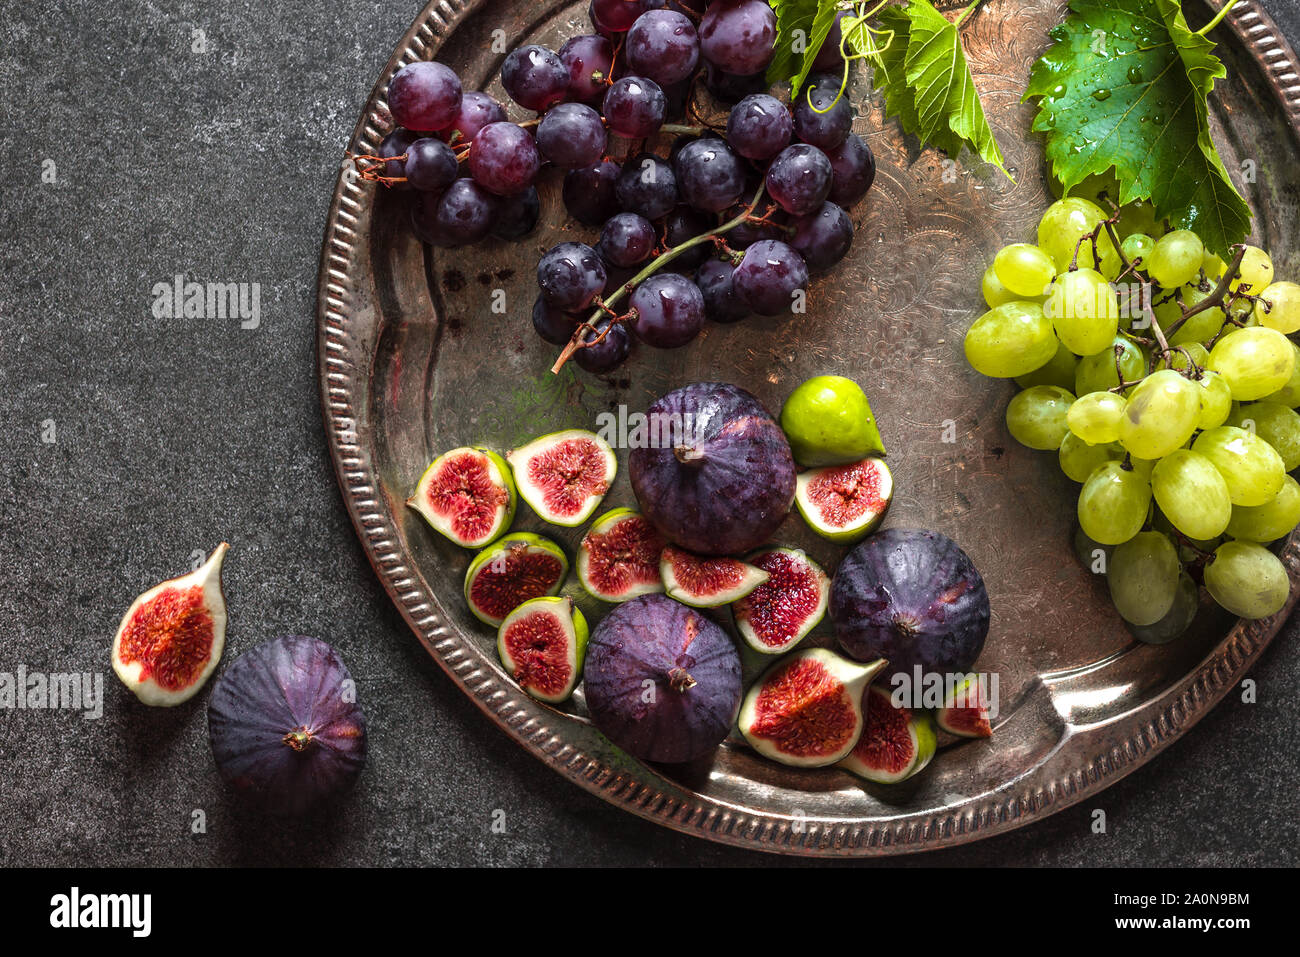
{"x": 661, "y": 680}
{"x": 713, "y": 470}
{"x": 285, "y": 726}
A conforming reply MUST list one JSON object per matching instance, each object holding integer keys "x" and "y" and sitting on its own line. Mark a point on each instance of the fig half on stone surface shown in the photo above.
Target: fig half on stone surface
{"x": 467, "y": 495}
{"x": 713, "y": 470}
{"x": 510, "y": 571}
{"x": 285, "y": 726}
{"x": 844, "y": 503}
{"x": 563, "y": 476}
{"x": 780, "y": 612}
{"x": 171, "y": 638}
{"x": 806, "y": 710}
{"x": 662, "y": 681}
{"x": 896, "y": 743}
{"x": 707, "y": 582}
{"x": 619, "y": 556}
{"x": 543, "y": 644}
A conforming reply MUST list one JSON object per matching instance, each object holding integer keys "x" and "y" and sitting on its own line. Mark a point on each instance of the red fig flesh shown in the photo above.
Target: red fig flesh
{"x": 170, "y": 640}
{"x": 776, "y": 615}
{"x": 619, "y": 556}
{"x": 468, "y": 495}
{"x": 707, "y": 582}
{"x": 564, "y": 476}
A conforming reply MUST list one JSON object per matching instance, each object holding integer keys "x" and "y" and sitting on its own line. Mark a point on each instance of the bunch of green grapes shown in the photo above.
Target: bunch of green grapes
{"x": 1167, "y": 384}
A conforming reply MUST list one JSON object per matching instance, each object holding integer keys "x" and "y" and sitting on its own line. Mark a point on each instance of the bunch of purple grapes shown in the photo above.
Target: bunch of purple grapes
{"x": 473, "y": 172}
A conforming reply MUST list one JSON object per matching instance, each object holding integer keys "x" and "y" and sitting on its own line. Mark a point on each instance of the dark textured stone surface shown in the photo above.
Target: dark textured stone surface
{"x": 172, "y": 434}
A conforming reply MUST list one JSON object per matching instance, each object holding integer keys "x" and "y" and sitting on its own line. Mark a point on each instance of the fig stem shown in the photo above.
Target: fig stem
{"x": 298, "y": 740}
{"x": 579, "y": 336}
{"x": 680, "y": 680}
{"x": 688, "y": 455}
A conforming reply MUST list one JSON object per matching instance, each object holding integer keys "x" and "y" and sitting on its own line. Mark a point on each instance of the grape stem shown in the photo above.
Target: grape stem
{"x": 579, "y": 340}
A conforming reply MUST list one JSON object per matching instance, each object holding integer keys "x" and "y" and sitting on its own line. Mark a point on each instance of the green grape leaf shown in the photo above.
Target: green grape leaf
{"x": 801, "y": 29}
{"x": 926, "y": 82}
{"x": 1126, "y": 85}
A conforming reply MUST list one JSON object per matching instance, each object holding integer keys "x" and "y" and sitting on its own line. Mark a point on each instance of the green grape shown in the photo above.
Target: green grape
{"x": 1179, "y": 361}
{"x": 1143, "y": 578}
{"x": 1036, "y": 416}
{"x": 1276, "y": 424}
{"x": 1179, "y": 617}
{"x": 1138, "y": 218}
{"x": 995, "y": 294}
{"x": 1268, "y": 522}
{"x": 1143, "y": 467}
{"x": 1198, "y": 329}
{"x": 1213, "y": 266}
{"x": 1161, "y": 415}
{"x": 1176, "y": 258}
{"x": 1095, "y": 417}
{"x": 1244, "y": 312}
{"x": 1083, "y": 310}
{"x": 1280, "y": 308}
{"x": 1216, "y": 400}
{"x": 1137, "y": 248}
{"x": 1079, "y": 459}
{"x": 1011, "y": 340}
{"x": 1059, "y": 370}
{"x": 1289, "y": 394}
{"x": 1251, "y": 467}
{"x": 1093, "y": 555}
{"x": 1064, "y": 224}
{"x": 1254, "y": 361}
{"x": 1256, "y": 271}
{"x": 1024, "y": 269}
{"x": 1096, "y": 373}
{"x": 1192, "y": 494}
{"x": 1247, "y": 579}
{"x": 1113, "y": 503}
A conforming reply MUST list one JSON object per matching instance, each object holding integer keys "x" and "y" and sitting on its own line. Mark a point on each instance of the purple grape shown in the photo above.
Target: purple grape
{"x": 647, "y": 186}
{"x": 738, "y": 36}
{"x": 570, "y": 276}
{"x": 635, "y": 107}
{"x": 476, "y": 111}
{"x": 710, "y": 176}
{"x": 424, "y": 96}
{"x": 588, "y": 59}
{"x": 627, "y": 240}
{"x": 615, "y": 15}
{"x": 462, "y": 215}
{"x": 827, "y": 126}
{"x": 853, "y": 170}
{"x": 535, "y": 77}
{"x": 589, "y": 194}
{"x": 669, "y": 310}
{"x": 572, "y": 136}
{"x": 721, "y": 304}
{"x": 395, "y": 144}
{"x": 662, "y": 45}
{"x": 829, "y": 58}
{"x": 769, "y": 276}
{"x": 503, "y": 158}
{"x": 759, "y": 127}
{"x": 730, "y": 87}
{"x": 606, "y": 355}
{"x": 551, "y": 324}
{"x": 517, "y": 215}
{"x": 683, "y": 223}
{"x": 799, "y": 179}
{"x": 823, "y": 237}
{"x": 431, "y": 165}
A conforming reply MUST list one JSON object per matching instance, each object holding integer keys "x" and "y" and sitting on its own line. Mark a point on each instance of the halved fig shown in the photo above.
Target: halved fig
{"x": 707, "y": 582}
{"x": 619, "y": 556}
{"x": 965, "y": 713}
{"x": 776, "y": 615}
{"x": 896, "y": 744}
{"x": 172, "y": 636}
{"x": 468, "y": 495}
{"x": 806, "y": 710}
{"x": 564, "y": 475}
{"x": 543, "y": 644}
{"x": 511, "y": 571}
{"x": 845, "y": 502}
